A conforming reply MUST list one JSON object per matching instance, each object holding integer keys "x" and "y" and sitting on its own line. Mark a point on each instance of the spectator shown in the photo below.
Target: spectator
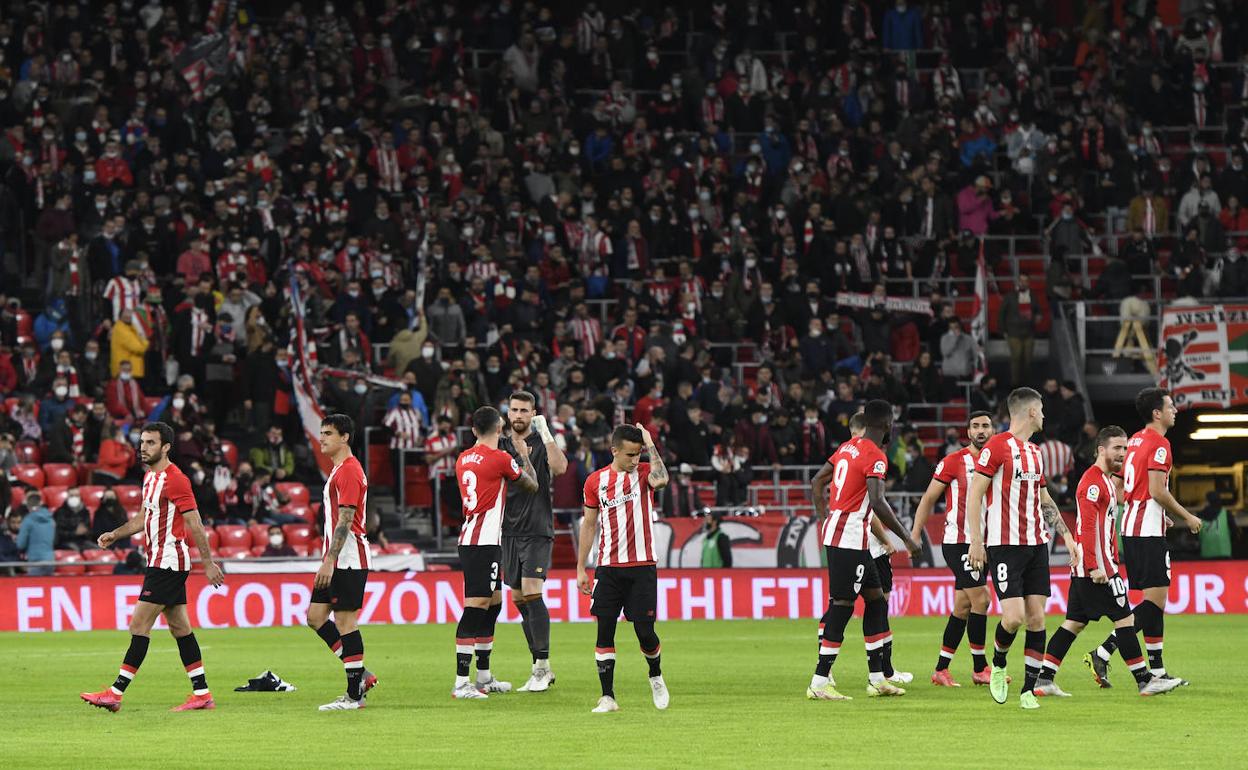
{"x": 406, "y": 429}
{"x": 273, "y": 457}
{"x": 1220, "y": 533}
{"x": 958, "y": 353}
{"x": 903, "y": 27}
{"x": 67, "y": 439}
{"x": 54, "y": 408}
{"x": 716, "y": 545}
{"x": 277, "y": 543}
{"x": 109, "y": 516}
{"x": 985, "y": 397}
{"x": 1019, "y": 318}
{"x": 732, "y": 473}
{"x": 37, "y": 534}
{"x": 127, "y": 343}
{"x": 975, "y": 206}
{"x": 73, "y": 522}
{"x": 123, "y": 397}
{"x": 8, "y": 539}
{"x": 1202, "y": 192}
{"x": 681, "y": 497}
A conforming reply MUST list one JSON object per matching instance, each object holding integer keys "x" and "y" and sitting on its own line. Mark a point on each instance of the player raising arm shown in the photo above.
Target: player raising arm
{"x": 619, "y": 497}
{"x": 1009, "y": 469}
{"x": 482, "y": 472}
{"x": 951, "y": 478}
{"x": 168, "y": 512}
{"x": 1148, "y": 500}
{"x": 1096, "y": 588}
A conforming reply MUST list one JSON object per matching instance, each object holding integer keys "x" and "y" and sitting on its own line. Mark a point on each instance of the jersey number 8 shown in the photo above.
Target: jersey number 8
{"x": 470, "y": 488}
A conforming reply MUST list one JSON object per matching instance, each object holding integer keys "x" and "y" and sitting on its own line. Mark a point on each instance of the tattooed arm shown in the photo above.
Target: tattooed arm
{"x": 346, "y": 514}
{"x": 659, "y": 477}
{"x": 1053, "y": 517}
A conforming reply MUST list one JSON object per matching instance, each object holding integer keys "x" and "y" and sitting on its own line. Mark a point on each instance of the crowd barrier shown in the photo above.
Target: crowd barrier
{"x": 86, "y": 603}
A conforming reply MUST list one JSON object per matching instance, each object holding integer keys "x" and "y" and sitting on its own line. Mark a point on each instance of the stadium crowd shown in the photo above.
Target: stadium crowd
{"x": 644, "y": 215}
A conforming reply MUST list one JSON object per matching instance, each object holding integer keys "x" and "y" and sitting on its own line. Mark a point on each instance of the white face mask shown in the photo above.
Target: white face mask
{"x": 426, "y": 353}
{"x": 361, "y": 389}
{"x": 61, "y": 391}
{"x": 91, "y": 355}
{"x": 125, "y": 376}
{"x": 199, "y": 477}
{"x": 74, "y": 502}
{"x": 57, "y": 343}
{"x": 275, "y": 540}
{"x": 178, "y": 403}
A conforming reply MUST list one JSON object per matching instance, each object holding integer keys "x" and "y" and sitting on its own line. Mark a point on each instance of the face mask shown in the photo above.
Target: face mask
{"x": 91, "y": 355}
{"x": 275, "y": 540}
{"x": 816, "y": 332}
{"x": 80, "y": 136}
{"x": 61, "y": 391}
{"x": 717, "y": 293}
{"x": 548, "y": 236}
{"x": 750, "y": 263}
{"x": 812, "y": 420}
{"x": 780, "y": 214}
{"x": 353, "y": 294}
{"x": 74, "y": 502}
{"x": 361, "y": 389}
{"x": 199, "y": 477}
{"x": 1067, "y": 216}
{"x": 574, "y": 150}
{"x": 282, "y": 363}
{"x": 426, "y": 353}
{"x": 57, "y": 343}
{"x": 125, "y": 376}
{"x": 608, "y": 354}
{"x": 353, "y": 250}
{"x": 469, "y": 232}
{"x": 178, "y": 403}
{"x": 694, "y": 213}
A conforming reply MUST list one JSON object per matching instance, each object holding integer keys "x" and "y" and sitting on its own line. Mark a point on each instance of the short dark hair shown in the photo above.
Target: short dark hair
{"x": 857, "y": 421}
{"x": 486, "y": 420}
{"x": 165, "y": 431}
{"x": 625, "y": 433}
{"x": 341, "y": 423}
{"x": 878, "y": 414}
{"x": 1020, "y": 396}
{"x": 977, "y": 414}
{"x": 522, "y": 395}
{"x": 1149, "y": 400}
{"x": 1107, "y": 433}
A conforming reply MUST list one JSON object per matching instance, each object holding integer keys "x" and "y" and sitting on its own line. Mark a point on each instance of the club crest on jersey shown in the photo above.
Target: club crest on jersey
{"x": 1122, "y": 601}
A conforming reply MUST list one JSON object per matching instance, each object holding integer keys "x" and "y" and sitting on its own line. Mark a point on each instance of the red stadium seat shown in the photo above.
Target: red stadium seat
{"x": 132, "y": 509}
{"x": 258, "y": 550}
{"x": 230, "y": 450}
{"x": 84, "y": 472}
{"x": 302, "y": 511}
{"x": 53, "y": 497}
{"x": 214, "y": 539}
{"x": 25, "y": 324}
{"x": 91, "y": 496}
{"x": 375, "y": 548}
{"x": 298, "y": 534}
{"x": 68, "y": 563}
{"x": 28, "y": 452}
{"x": 295, "y": 491}
{"x": 403, "y": 548}
{"x": 128, "y": 494}
{"x": 100, "y": 555}
{"x": 150, "y": 403}
{"x": 17, "y": 496}
{"x": 259, "y": 535}
{"x": 437, "y": 568}
{"x": 303, "y": 549}
{"x": 233, "y": 536}
{"x": 137, "y": 540}
{"x": 30, "y": 475}
{"x": 235, "y": 552}
{"x": 60, "y": 474}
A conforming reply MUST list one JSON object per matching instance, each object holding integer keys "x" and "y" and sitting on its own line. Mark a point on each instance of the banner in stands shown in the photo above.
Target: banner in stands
{"x": 1204, "y": 355}
{"x": 83, "y": 603}
{"x": 894, "y": 304}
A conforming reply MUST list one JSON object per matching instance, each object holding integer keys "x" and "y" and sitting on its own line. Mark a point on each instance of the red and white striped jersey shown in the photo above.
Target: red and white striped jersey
{"x": 1147, "y": 451}
{"x": 1013, "y": 502}
{"x": 1094, "y": 524}
{"x": 123, "y": 293}
{"x": 166, "y": 496}
{"x": 956, "y": 472}
{"x": 625, "y": 508}
{"x": 347, "y": 485}
{"x": 587, "y": 332}
{"x": 482, "y": 473}
{"x": 1058, "y": 457}
{"x": 404, "y": 424}
{"x": 440, "y": 443}
{"x": 849, "y": 508}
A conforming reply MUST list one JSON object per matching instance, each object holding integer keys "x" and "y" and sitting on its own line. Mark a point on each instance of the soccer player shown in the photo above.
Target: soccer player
{"x": 856, "y": 471}
{"x": 345, "y": 562}
{"x": 528, "y": 532}
{"x": 1010, "y": 473}
{"x": 1148, "y": 500}
{"x": 168, "y": 513}
{"x": 970, "y": 599}
{"x": 482, "y": 472}
{"x": 619, "y": 496}
{"x": 1096, "y": 588}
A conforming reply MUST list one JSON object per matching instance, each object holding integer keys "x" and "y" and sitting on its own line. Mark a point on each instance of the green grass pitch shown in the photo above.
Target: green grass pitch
{"x": 737, "y": 701}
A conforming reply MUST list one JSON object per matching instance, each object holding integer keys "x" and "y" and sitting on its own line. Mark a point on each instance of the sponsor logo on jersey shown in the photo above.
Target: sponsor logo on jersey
{"x": 1026, "y": 476}
{"x": 609, "y": 502}
{"x": 985, "y": 456}
{"x": 879, "y": 467}
{"x": 1094, "y": 493}
{"x": 1160, "y": 455}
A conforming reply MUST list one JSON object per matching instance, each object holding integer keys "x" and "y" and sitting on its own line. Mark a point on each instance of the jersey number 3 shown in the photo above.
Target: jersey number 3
{"x": 470, "y": 490}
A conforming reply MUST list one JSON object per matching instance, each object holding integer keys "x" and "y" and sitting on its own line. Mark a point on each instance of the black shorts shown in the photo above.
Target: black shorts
{"x": 481, "y": 565}
{"x": 850, "y": 571}
{"x": 345, "y": 591}
{"x": 165, "y": 587}
{"x": 635, "y": 590}
{"x": 959, "y": 563}
{"x": 1147, "y": 560}
{"x": 525, "y": 557}
{"x": 1019, "y": 570}
{"x": 1090, "y": 601}
{"x": 884, "y": 568}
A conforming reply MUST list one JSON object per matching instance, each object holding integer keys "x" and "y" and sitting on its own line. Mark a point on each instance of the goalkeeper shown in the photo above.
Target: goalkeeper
{"x": 528, "y": 531}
